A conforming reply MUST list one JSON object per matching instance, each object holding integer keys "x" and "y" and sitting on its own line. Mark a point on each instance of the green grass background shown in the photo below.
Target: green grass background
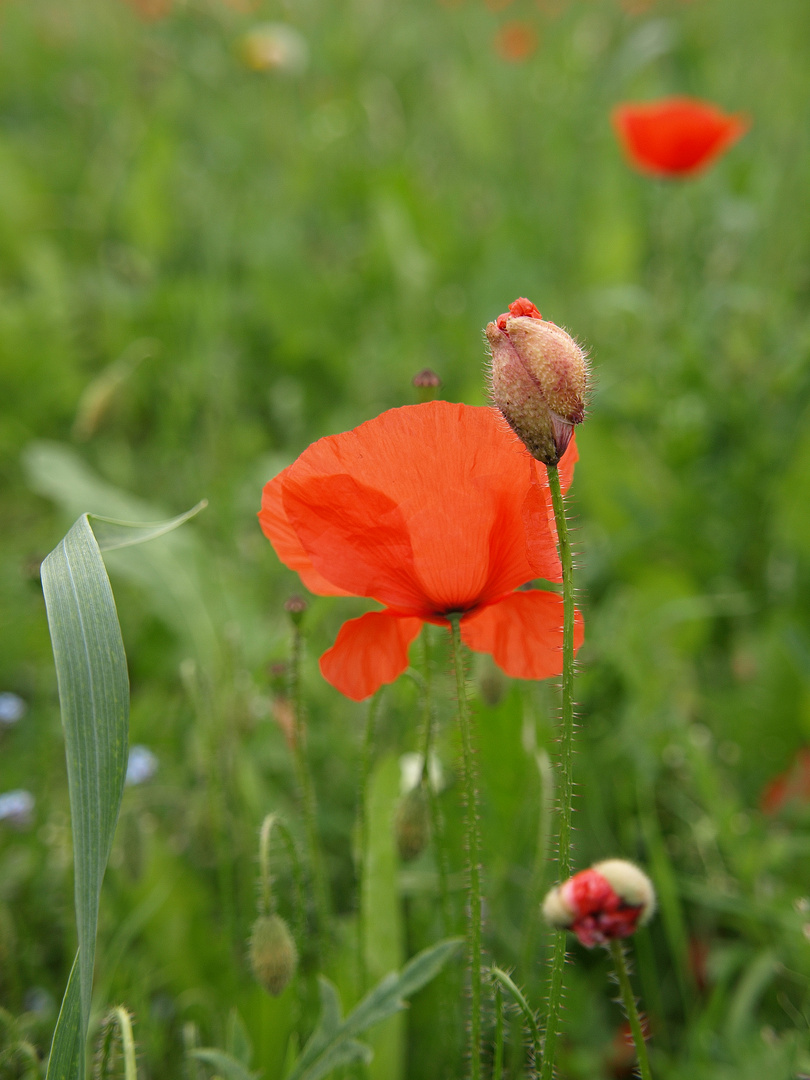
{"x": 204, "y": 268}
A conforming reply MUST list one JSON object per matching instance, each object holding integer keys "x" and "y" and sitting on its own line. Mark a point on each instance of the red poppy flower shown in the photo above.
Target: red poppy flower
{"x": 678, "y": 136}
{"x": 429, "y": 509}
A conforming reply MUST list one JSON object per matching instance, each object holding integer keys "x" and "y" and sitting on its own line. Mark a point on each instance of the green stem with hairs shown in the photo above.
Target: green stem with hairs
{"x": 566, "y": 765}
{"x": 629, "y": 1001}
{"x": 436, "y": 823}
{"x": 472, "y": 837}
{"x": 362, "y": 837}
{"x": 307, "y": 789}
{"x": 267, "y": 900}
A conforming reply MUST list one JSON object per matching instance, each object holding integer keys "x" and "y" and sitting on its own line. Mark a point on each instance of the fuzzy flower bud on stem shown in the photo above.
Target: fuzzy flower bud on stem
{"x": 609, "y": 901}
{"x": 539, "y": 379}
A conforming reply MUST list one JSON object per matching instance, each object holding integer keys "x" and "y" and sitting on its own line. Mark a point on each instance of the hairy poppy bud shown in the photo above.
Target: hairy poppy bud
{"x": 427, "y": 384}
{"x": 539, "y": 377}
{"x": 611, "y": 900}
{"x": 412, "y": 823}
{"x": 273, "y": 955}
{"x": 295, "y": 608}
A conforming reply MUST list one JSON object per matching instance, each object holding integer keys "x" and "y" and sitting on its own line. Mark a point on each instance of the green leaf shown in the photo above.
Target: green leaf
{"x": 91, "y": 672}
{"x": 388, "y": 996}
{"x": 226, "y": 1065}
{"x": 334, "y": 1044}
{"x": 237, "y": 1039}
{"x": 65, "y": 1060}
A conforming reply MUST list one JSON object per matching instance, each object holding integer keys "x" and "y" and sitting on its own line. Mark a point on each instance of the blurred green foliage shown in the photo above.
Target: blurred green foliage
{"x": 203, "y": 268}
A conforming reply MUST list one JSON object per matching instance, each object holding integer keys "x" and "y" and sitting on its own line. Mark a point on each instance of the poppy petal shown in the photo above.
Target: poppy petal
{"x": 434, "y": 518}
{"x": 523, "y": 633}
{"x": 676, "y": 136}
{"x": 356, "y": 537}
{"x": 369, "y": 652}
{"x": 278, "y": 530}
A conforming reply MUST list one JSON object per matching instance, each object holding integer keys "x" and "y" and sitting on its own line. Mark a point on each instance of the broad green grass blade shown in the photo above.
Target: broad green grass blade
{"x": 65, "y": 1061}
{"x": 91, "y": 671}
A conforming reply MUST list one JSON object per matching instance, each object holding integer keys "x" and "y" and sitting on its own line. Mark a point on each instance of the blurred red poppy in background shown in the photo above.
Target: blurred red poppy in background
{"x": 516, "y": 41}
{"x": 677, "y": 136}
{"x": 792, "y": 787}
{"x": 430, "y": 509}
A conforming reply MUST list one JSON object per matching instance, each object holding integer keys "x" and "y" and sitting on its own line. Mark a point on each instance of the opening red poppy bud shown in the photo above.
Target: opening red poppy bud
{"x": 539, "y": 378}
{"x": 611, "y": 900}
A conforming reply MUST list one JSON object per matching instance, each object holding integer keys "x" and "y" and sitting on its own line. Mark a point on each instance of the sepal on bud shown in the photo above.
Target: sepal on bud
{"x": 539, "y": 378}
{"x": 611, "y": 900}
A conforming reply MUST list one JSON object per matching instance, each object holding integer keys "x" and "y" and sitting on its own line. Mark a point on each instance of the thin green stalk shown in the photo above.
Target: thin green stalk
{"x": 267, "y": 900}
{"x": 436, "y": 823}
{"x": 566, "y": 765}
{"x": 307, "y": 788}
{"x": 504, "y": 980}
{"x": 472, "y": 837}
{"x": 120, "y": 1018}
{"x": 362, "y": 840}
{"x": 629, "y": 1001}
{"x": 497, "y": 1064}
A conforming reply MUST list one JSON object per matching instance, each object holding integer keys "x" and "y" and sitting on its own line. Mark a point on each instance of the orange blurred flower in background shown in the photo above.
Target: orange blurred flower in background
{"x": 516, "y": 41}
{"x": 431, "y": 510}
{"x": 677, "y": 136}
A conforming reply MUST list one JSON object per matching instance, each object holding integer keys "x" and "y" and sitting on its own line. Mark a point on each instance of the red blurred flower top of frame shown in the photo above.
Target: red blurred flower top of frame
{"x": 678, "y": 136}
{"x": 429, "y": 509}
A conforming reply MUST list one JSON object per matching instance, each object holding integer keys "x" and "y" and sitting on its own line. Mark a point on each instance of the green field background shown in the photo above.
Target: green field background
{"x": 204, "y": 268}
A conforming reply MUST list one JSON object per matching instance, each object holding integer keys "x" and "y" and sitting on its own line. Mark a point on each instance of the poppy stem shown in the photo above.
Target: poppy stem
{"x": 566, "y": 764}
{"x": 630, "y": 1008}
{"x": 362, "y": 829}
{"x": 307, "y": 788}
{"x": 472, "y": 838}
{"x": 436, "y": 823}
{"x": 267, "y": 901}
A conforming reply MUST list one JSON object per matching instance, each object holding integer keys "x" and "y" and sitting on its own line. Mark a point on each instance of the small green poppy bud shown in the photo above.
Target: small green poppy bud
{"x": 427, "y": 383}
{"x": 272, "y": 952}
{"x": 295, "y": 608}
{"x": 539, "y": 379}
{"x": 412, "y": 823}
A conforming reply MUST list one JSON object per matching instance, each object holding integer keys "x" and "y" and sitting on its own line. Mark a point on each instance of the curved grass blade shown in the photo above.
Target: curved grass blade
{"x": 91, "y": 672}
